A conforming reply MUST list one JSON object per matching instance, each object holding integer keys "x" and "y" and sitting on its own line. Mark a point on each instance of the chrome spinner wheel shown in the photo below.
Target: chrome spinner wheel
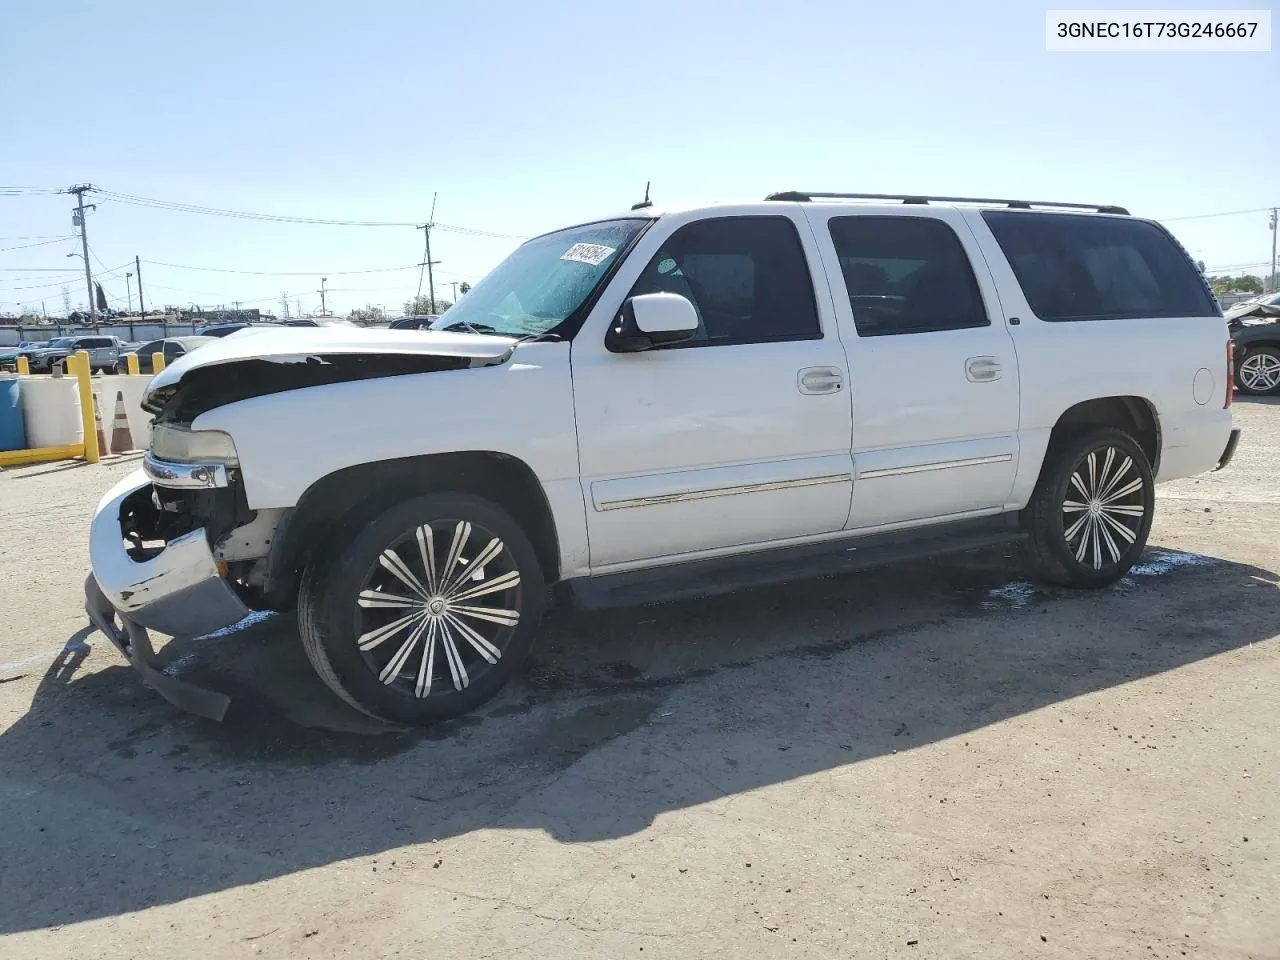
{"x": 438, "y": 609}
{"x": 1105, "y": 507}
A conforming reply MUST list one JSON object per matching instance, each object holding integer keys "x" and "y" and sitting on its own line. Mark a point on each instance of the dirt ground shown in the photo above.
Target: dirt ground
{"x": 933, "y": 761}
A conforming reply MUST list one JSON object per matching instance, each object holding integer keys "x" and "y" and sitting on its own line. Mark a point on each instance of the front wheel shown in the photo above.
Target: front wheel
{"x": 1090, "y": 515}
{"x": 1258, "y": 374}
{"x": 424, "y": 613}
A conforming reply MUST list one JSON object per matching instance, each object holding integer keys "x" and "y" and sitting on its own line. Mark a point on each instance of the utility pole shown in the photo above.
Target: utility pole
{"x": 454, "y": 284}
{"x": 128, "y": 291}
{"x": 1275, "y": 281}
{"x": 137, "y": 266}
{"x": 298, "y": 304}
{"x": 323, "y": 281}
{"x": 284, "y": 304}
{"x": 427, "y": 261}
{"x": 77, "y": 219}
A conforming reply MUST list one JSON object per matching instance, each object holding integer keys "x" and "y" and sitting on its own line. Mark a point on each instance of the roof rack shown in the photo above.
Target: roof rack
{"x": 803, "y": 196}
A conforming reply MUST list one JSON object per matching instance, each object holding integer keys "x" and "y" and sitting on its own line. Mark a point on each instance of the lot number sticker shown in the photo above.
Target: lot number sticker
{"x": 592, "y": 253}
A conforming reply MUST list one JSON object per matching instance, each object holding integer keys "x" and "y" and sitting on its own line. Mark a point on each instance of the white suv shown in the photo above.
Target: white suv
{"x": 663, "y": 404}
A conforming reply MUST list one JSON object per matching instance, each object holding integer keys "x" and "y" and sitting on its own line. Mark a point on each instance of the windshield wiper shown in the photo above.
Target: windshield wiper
{"x": 468, "y": 326}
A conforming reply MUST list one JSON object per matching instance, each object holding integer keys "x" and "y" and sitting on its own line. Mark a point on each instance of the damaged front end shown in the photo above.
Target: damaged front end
{"x": 176, "y": 547}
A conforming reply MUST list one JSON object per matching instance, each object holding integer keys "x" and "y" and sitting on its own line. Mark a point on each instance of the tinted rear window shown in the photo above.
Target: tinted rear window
{"x": 1097, "y": 268}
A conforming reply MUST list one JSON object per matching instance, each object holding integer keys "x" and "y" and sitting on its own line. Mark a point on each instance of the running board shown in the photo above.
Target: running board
{"x": 704, "y": 578}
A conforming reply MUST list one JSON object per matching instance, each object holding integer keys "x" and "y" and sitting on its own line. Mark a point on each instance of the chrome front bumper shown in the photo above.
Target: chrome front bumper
{"x": 178, "y": 591}
{"x": 184, "y": 476}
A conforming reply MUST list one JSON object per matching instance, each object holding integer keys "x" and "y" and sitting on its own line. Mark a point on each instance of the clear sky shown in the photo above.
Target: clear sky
{"x": 528, "y": 116}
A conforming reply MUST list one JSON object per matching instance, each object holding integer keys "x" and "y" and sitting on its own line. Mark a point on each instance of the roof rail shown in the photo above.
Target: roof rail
{"x": 803, "y": 196}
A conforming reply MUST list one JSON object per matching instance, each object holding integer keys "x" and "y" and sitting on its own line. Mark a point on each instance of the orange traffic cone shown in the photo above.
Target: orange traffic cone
{"x": 97, "y": 419}
{"x": 121, "y": 436}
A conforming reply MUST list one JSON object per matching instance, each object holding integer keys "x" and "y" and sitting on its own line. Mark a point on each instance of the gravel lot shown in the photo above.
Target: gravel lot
{"x": 938, "y": 760}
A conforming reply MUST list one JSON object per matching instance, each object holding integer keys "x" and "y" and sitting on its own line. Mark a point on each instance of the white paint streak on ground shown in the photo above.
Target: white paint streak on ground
{"x": 1017, "y": 594}
{"x": 1012, "y": 596}
{"x": 1160, "y": 562}
{"x": 254, "y": 618}
{"x": 47, "y": 655}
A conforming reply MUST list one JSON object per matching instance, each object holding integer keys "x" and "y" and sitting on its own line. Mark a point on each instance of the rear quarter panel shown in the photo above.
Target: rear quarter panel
{"x": 1177, "y": 365}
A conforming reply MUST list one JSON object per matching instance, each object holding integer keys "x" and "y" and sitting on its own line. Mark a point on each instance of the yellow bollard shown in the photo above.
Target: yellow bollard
{"x": 80, "y": 364}
{"x": 157, "y": 362}
{"x": 24, "y": 368}
{"x": 131, "y": 361}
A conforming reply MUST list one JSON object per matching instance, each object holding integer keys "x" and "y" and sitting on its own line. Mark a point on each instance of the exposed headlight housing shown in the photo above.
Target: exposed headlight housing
{"x": 181, "y": 444}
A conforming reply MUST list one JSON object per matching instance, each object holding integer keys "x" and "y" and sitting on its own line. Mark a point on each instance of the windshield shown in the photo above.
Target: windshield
{"x": 61, "y": 342}
{"x": 543, "y": 282}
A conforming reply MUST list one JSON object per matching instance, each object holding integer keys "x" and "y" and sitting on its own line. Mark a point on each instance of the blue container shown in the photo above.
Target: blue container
{"x": 12, "y": 434}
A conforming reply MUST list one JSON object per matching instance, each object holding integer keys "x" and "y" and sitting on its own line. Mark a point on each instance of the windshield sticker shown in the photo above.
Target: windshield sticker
{"x": 592, "y": 253}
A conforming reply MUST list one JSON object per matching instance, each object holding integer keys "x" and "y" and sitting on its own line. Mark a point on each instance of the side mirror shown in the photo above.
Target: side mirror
{"x": 652, "y": 320}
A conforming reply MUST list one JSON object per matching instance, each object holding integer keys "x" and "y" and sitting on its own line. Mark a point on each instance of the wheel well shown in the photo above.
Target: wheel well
{"x": 1255, "y": 344}
{"x": 348, "y": 498}
{"x": 1134, "y": 415}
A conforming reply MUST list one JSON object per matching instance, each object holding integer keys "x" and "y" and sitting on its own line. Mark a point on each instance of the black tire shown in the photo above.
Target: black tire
{"x": 1082, "y": 540}
{"x": 345, "y": 595}
{"x": 1268, "y": 361}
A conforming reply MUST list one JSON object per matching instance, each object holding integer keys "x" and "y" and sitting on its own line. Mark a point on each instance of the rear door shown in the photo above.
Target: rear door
{"x": 933, "y": 372}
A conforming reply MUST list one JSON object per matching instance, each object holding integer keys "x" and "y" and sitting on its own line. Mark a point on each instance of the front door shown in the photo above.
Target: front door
{"x": 738, "y": 437}
{"x": 932, "y": 365}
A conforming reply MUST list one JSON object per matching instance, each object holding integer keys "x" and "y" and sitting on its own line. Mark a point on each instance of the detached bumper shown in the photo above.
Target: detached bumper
{"x": 176, "y": 590}
{"x": 1230, "y": 450}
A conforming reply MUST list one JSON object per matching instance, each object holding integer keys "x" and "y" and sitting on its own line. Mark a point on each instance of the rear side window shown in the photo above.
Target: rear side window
{"x": 906, "y": 275}
{"x": 746, "y": 276}
{"x": 1075, "y": 267}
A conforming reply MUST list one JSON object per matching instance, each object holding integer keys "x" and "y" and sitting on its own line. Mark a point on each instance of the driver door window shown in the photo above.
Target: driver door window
{"x": 746, "y": 277}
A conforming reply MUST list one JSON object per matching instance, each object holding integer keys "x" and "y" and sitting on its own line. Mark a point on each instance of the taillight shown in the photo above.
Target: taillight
{"x": 1231, "y": 373}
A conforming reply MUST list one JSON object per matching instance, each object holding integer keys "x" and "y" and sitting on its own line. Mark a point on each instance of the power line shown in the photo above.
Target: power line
{"x": 277, "y": 273}
{"x": 1238, "y": 266}
{"x": 21, "y": 191}
{"x": 47, "y": 286}
{"x": 1207, "y": 216}
{"x": 39, "y": 269}
{"x": 42, "y": 243}
{"x": 180, "y": 207}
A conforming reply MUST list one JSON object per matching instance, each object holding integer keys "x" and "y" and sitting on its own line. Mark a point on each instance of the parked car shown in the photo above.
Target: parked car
{"x": 171, "y": 347}
{"x": 668, "y": 404}
{"x": 1255, "y": 331}
{"x": 9, "y": 355}
{"x": 103, "y": 352}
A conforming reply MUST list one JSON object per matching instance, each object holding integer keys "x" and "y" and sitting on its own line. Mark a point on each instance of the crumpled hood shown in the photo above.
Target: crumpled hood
{"x": 1271, "y": 312}
{"x": 274, "y": 360}
{"x": 296, "y": 344}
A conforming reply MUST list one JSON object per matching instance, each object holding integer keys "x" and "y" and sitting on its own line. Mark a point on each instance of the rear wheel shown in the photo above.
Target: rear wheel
{"x": 425, "y": 613}
{"x": 1259, "y": 372}
{"x": 1090, "y": 515}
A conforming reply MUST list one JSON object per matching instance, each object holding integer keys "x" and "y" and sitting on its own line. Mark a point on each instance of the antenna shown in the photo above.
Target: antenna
{"x": 645, "y": 202}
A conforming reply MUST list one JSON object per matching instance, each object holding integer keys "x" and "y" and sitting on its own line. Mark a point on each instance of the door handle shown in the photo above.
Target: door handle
{"x": 815, "y": 381}
{"x": 982, "y": 369}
